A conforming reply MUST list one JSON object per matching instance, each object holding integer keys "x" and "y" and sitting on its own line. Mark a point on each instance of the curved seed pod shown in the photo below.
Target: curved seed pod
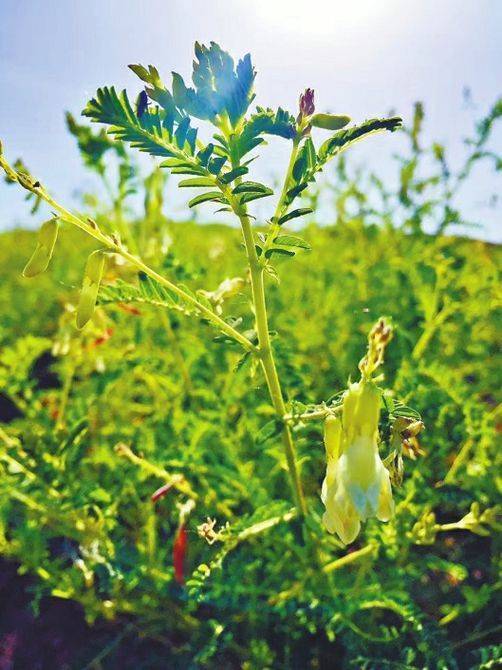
{"x": 47, "y": 236}
{"x": 330, "y": 121}
{"x": 90, "y": 287}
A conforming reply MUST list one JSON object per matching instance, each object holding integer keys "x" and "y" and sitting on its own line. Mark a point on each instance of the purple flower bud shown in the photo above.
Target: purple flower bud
{"x": 142, "y": 104}
{"x": 307, "y": 107}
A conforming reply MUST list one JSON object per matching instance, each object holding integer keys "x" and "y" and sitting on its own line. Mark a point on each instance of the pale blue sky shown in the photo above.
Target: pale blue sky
{"x": 363, "y": 58}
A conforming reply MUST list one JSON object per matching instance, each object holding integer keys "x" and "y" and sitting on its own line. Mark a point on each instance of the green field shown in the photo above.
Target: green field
{"x": 174, "y": 386}
{"x": 172, "y": 395}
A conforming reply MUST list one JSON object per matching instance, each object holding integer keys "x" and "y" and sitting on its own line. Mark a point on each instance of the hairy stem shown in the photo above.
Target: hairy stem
{"x": 267, "y": 359}
{"x": 266, "y": 354}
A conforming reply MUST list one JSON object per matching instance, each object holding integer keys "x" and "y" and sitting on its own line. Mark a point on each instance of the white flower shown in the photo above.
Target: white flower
{"x": 357, "y": 484}
{"x": 227, "y": 289}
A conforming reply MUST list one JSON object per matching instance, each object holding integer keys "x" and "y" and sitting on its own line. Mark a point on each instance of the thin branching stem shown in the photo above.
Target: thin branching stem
{"x": 314, "y": 415}
{"x": 350, "y": 558}
{"x": 266, "y": 354}
{"x": 267, "y": 359}
{"x": 177, "y": 481}
{"x": 264, "y": 345}
{"x": 274, "y": 227}
{"x": 112, "y": 244}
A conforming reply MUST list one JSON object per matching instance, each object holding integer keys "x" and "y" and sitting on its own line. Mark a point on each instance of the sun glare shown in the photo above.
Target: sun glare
{"x": 320, "y": 17}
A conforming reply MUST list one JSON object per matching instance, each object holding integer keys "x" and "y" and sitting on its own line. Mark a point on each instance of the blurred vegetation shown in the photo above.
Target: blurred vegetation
{"x": 93, "y": 422}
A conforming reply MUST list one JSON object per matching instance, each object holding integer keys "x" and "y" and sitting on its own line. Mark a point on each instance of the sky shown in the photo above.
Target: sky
{"x": 363, "y": 58}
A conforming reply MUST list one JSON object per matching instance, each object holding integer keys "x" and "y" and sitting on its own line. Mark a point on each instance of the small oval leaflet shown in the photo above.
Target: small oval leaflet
{"x": 330, "y": 121}
{"x": 292, "y": 241}
{"x": 42, "y": 255}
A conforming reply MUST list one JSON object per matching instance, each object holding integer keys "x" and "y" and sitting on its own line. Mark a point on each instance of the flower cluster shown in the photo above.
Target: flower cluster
{"x": 357, "y": 484}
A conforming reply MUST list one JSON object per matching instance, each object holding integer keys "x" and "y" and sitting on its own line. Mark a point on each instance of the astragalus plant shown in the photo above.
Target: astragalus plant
{"x": 163, "y": 122}
{"x": 214, "y": 446}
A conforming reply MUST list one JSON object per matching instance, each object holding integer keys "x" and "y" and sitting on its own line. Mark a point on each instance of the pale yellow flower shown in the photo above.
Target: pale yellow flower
{"x": 357, "y": 484}
{"x": 227, "y": 289}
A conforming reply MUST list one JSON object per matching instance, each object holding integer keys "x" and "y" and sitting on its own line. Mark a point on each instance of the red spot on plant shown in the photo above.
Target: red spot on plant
{"x": 129, "y": 309}
{"x": 107, "y": 333}
{"x": 179, "y": 553}
{"x": 161, "y": 492}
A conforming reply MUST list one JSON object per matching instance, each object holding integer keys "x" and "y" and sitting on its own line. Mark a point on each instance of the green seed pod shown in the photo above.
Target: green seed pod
{"x": 332, "y": 436}
{"x": 90, "y": 287}
{"x": 330, "y": 121}
{"x": 42, "y": 255}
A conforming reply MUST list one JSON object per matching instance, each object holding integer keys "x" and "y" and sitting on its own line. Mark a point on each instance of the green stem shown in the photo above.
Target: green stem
{"x": 177, "y": 481}
{"x": 460, "y": 459}
{"x": 349, "y": 558}
{"x": 275, "y": 227}
{"x": 262, "y": 526}
{"x": 315, "y": 415}
{"x": 430, "y": 328}
{"x": 8, "y": 440}
{"x": 267, "y": 358}
{"x": 265, "y": 352}
{"x": 477, "y": 636}
{"x": 445, "y": 527}
{"x": 96, "y": 661}
{"x": 116, "y": 202}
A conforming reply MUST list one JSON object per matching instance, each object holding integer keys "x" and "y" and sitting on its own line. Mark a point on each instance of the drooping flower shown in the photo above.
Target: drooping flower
{"x": 357, "y": 484}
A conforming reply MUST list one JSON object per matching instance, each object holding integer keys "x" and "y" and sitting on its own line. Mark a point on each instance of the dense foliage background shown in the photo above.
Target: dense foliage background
{"x": 93, "y": 422}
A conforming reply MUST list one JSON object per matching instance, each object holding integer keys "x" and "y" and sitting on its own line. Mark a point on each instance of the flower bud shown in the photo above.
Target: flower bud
{"x": 332, "y": 437}
{"x": 141, "y": 104}
{"x": 379, "y": 337}
{"x": 307, "y": 107}
{"x": 425, "y": 529}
